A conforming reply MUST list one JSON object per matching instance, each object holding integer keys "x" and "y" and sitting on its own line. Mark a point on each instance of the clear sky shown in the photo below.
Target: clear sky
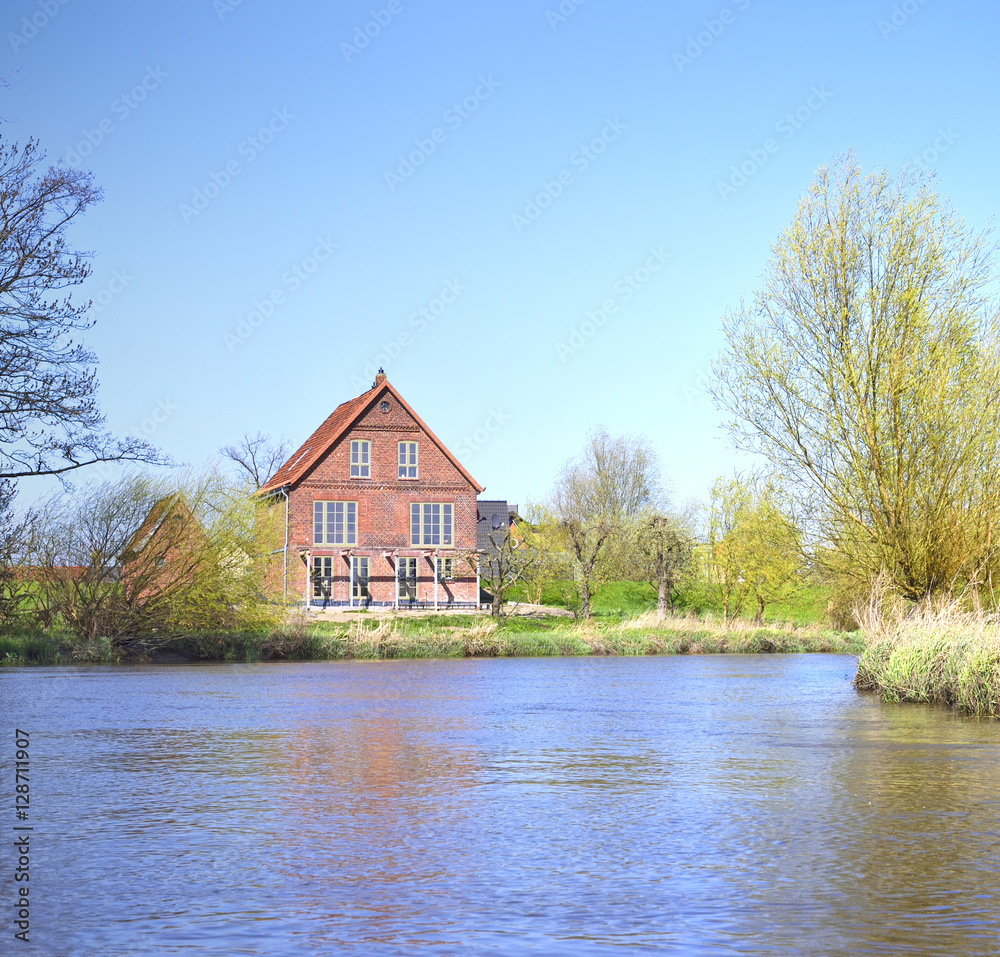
{"x": 287, "y": 186}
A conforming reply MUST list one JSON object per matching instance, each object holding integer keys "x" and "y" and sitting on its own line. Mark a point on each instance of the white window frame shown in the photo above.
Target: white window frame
{"x": 361, "y": 458}
{"x": 422, "y": 524}
{"x": 408, "y": 459}
{"x": 446, "y": 569}
{"x": 359, "y": 562}
{"x": 350, "y": 511}
{"x": 407, "y": 564}
{"x": 322, "y": 563}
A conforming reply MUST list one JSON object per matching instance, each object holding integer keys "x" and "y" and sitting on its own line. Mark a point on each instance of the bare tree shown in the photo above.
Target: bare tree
{"x": 256, "y": 457}
{"x": 50, "y": 422}
{"x": 508, "y": 562}
{"x": 135, "y": 558}
{"x": 14, "y": 588}
{"x": 598, "y": 496}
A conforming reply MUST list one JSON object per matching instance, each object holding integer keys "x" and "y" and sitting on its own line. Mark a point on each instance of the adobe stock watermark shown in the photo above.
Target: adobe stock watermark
{"x": 786, "y": 127}
{"x": 419, "y": 321}
{"x": 696, "y": 45}
{"x": 371, "y": 29}
{"x": 563, "y": 12}
{"x": 292, "y": 280}
{"x": 161, "y": 413}
{"x": 699, "y": 389}
{"x": 901, "y": 15}
{"x": 248, "y": 149}
{"x": 581, "y": 159}
{"x": 624, "y": 289}
{"x": 483, "y": 433}
{"x": 121, "y": 279}
{"x": 454, "y": 118}
{"x": 223, "y": 8}
{"x": 945, "y": 139}
{"x": 121, "y": 107}
{"x": 40, "y": 19}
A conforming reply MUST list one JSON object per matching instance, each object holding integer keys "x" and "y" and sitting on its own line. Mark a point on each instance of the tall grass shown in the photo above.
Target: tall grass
{"x": 942, "y": 655}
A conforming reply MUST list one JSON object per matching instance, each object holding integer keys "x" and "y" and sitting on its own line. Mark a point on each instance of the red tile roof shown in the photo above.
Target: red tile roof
{"x": 338, "y": 422}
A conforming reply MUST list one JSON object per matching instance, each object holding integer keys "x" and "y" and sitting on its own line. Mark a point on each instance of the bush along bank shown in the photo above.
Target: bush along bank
{"x": 371, "y": 637}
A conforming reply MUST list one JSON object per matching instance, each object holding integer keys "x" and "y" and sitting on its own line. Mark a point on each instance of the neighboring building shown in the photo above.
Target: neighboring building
{"x": 378, "y": 511}
{"x": 495, "y": 521}
{"x": 168, "y": 548}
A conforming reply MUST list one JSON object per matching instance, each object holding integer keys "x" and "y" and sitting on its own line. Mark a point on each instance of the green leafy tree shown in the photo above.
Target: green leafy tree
{"x": 661, "y": 551}
{"x": 866, "y": 369}
{"x": 755, "y": 548}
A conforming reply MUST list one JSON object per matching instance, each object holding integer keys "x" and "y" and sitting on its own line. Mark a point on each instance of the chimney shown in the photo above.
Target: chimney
{"x": 379, "y": 377}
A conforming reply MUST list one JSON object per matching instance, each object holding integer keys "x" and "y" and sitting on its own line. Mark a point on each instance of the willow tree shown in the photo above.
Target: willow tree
{"x": 754, "y": 545}
{"x": 596, "y": 499}
{"x": 867, "y": 370}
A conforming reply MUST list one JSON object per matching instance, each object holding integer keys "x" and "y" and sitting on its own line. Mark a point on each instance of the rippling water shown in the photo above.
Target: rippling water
{"x": 739, "y": 805}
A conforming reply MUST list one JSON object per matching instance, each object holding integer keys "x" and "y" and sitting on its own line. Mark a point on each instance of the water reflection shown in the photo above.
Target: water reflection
{"x": 702, "y": 805}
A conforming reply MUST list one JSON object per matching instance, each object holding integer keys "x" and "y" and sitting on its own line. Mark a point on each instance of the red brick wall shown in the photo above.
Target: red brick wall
{"x": 384, "y": 510}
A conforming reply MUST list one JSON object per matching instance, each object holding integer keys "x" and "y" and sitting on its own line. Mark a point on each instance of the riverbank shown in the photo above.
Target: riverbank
{"x": 944, "y": 657}
{"x": 438, "y": 636}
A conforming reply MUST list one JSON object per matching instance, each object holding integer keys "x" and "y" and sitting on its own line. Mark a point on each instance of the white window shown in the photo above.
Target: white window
{"x": 359, "y": 579}
{"x": 430, "y": 523}
{"x": 322, "y": 577}
{"x": 408, "y": 460}
{"x": 335, "y": 523}
{"x": 446, "y": 569}
{"x": 361, "y": 459}
{"x": 406, "y": 577}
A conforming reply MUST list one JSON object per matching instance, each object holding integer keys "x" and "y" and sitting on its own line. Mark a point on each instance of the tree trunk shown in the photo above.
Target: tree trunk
{"x": 759, "y": 620}
{"x": 662, "y": 600}
{"x": 585, "y": 596}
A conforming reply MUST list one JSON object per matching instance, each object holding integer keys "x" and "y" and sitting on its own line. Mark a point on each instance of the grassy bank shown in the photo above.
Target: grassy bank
{"x": 371, "y": 637}
{"x": 941, "y": 657}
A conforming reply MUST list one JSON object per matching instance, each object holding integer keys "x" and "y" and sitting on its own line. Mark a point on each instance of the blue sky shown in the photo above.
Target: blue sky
{"x": 296, "y": 193}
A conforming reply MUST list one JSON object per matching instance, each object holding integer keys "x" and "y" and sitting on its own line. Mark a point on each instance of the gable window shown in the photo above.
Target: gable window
{"x": 408, "y": 460}
{"x": 430, "y": 523}
{"x": 361, "y": 459}
{"x": 335, "y": 523}
{"x": 446, "y": 569}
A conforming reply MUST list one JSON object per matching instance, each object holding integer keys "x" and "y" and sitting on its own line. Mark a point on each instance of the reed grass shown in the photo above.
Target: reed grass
{"x": 940, "y": 655}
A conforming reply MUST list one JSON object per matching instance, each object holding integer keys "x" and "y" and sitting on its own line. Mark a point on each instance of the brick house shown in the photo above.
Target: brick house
{"x": 378, "y": 512}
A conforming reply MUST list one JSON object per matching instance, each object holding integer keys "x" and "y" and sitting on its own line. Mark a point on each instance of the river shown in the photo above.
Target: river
{"x": 688, "y": 805}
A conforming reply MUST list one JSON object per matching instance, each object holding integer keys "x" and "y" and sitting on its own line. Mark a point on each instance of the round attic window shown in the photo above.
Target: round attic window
{"x": 384, "y": 406}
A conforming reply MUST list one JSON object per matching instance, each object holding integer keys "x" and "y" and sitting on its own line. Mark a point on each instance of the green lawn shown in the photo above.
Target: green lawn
{"x": 625, "y": 598}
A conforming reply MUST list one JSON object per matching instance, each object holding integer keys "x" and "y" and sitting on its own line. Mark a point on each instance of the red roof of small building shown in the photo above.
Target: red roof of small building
{"x": 336, "y": 424}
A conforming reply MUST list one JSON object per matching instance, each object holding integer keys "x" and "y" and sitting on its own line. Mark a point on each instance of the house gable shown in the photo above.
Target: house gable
{"x": 325, "y": 456}
{"x": 377, "y": 537}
